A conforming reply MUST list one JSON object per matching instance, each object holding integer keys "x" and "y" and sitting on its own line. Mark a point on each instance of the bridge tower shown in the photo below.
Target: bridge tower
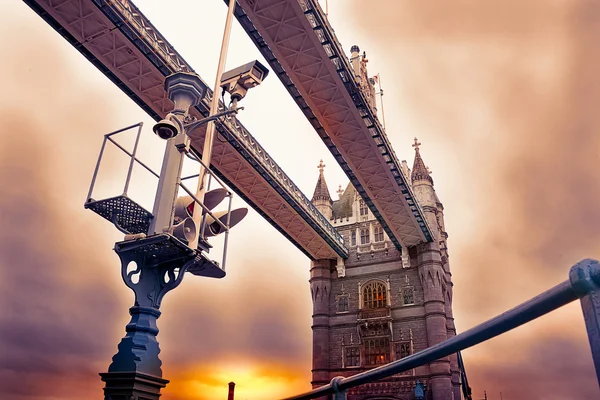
{"x": 378, "y": 306}
{"x": 434, "y": 211}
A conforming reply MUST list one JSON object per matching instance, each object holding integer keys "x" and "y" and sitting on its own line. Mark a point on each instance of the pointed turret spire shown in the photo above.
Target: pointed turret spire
{"x": 321, "y": 190}
{"x": 321, "y": 197}
{"x": 419, "y": 170}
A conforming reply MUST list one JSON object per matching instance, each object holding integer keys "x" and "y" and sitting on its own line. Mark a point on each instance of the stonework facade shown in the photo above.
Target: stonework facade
{"x": 382, "y": 304}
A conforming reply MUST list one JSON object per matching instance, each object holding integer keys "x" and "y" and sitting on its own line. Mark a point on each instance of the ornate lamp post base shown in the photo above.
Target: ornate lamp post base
{"x": 151, "y": 267}
{"x": 132, "y": 386}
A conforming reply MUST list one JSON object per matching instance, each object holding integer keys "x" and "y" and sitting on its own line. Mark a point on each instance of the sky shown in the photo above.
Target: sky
{"x": 501, "y": 94}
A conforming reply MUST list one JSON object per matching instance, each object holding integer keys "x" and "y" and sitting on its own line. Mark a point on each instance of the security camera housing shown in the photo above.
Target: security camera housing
{"x": 239, "y": 80}
{"x": 165, "y": 129}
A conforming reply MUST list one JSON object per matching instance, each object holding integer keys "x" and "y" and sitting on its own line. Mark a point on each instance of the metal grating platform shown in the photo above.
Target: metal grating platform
{"x": 165, "y": 248}
{"x": 160, "y": 248}
{"x": 125, "y": 213}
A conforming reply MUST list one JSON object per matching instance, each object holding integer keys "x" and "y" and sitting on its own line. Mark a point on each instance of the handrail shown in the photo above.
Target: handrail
{"x": 584, "y": 278}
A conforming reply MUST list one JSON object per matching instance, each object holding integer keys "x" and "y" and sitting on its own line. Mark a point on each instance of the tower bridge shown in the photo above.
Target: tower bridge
{"x": 380, "y": 295}
{"x": 382, "y": 299}
{"x": 122, "y": 43}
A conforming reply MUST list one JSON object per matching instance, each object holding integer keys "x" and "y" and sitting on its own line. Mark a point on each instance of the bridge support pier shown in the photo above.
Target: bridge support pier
{"x": 320, "y": 287}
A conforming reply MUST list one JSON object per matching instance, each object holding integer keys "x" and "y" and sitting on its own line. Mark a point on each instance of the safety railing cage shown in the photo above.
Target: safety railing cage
{"x": 132, "y": 219}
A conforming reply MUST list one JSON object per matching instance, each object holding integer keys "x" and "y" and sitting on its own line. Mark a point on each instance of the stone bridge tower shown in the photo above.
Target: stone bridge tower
{"x": 380, "y": 305}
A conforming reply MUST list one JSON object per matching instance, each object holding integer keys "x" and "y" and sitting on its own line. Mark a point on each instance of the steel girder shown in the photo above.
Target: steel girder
{"x": 301, "y": 47}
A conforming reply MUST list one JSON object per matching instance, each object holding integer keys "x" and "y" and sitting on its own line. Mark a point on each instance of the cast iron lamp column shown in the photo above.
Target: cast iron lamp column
{"x": 154, "y": 265}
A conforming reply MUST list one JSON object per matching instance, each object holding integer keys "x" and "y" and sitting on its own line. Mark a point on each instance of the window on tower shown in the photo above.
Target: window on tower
{"x": 378, "y": 232}
{"x": 352, "y": 357}
{"x": 374, "y": 295}
{"x": 403, "y": 349}
{"x": 377, "y": 351}
{"x": 353, "y": 238}
{"x": 362, "y": 208}
{"x": 364, "y": 236}
{"x": 408, "y": 295}
{"x": 342, "y": 303}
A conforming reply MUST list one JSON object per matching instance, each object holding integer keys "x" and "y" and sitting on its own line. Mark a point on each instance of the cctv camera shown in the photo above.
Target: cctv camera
{"x": 239, "y": 80}
{"x": 165, "y": 129}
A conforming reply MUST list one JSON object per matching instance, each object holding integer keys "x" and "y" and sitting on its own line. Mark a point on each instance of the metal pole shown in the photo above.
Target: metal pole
{"x": 89, "y": 196}
{"x": 130, "y": 170}
{"x": 228, "y": 221}
{"x": 184, "y": 90}
{"x": 381, "y": 97}
{"x": 590, "y": 305}
{"x": 210, "y": 128}
{"x": 168, "y": 185}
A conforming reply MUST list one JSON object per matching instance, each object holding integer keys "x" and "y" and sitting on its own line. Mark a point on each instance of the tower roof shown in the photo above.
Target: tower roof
{"x": 419, "y": 170}
{"x": 321, "y": 190}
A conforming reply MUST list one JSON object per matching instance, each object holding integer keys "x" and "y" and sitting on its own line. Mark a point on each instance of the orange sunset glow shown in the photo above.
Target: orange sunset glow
{"x": 502, "y": 94}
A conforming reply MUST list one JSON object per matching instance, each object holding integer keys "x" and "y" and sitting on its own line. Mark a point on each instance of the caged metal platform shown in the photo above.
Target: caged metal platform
{"x": 133, "y": 220}
{"x": 127, "y": 215}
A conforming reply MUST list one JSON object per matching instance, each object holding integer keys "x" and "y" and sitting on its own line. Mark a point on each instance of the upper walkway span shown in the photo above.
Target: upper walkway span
{"x": 120, "y": 41}
{"x": 297, "y": 41}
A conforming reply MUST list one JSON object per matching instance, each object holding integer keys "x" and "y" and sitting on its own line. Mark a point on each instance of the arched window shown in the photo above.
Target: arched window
{"x": 362, "y": 207}
{"x": 378, "y": 233}
{"x": 342, "y": 303}
{"x": 364, "y": 236}
{"x": 352, "y": 357}
{"x": 353, "y": 238}
{"x": 374, "y": 295}
{"x": 403, "y": 350}
{"x": 377, "y": 351}
{"x": 408, "y": 295}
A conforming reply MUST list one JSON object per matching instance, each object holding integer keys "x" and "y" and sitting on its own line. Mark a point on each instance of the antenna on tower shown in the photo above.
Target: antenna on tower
{"x": 377, "y": 79}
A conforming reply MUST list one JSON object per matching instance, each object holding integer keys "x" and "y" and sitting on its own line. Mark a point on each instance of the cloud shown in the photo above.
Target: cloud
{"x": 49, "y": 324}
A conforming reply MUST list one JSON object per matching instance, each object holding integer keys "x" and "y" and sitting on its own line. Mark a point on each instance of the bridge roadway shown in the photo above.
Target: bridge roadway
{"x": 297, "y": 41}
{"x": 118, "y": 39}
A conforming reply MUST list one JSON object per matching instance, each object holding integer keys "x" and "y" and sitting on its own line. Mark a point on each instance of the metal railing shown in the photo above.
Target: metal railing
{"x": 583, "y": 284}
{"x": 111, "y": 208}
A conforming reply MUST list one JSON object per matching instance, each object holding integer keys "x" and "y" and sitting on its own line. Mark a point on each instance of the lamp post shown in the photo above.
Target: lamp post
{"x": 154, "y": 264}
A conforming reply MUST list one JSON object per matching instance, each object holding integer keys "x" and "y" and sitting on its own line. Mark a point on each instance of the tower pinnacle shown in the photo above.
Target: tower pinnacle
{"x": 419, "y": 170}
{"x": 321, "y": 166}
{"x": 321, "y": 197}
{"x": 416, "y": 145}
{"x": 321, "y": 190}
